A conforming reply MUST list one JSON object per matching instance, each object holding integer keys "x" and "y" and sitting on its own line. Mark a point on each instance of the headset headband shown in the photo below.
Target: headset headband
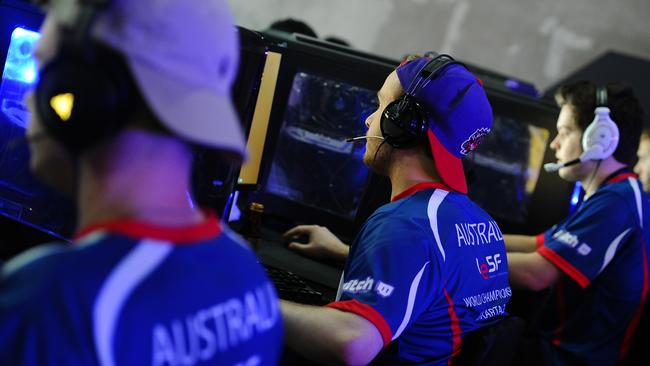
{"x": 426, "y": 74}
{"x": 601, "y": 96}
{"x": 429, "y": 71}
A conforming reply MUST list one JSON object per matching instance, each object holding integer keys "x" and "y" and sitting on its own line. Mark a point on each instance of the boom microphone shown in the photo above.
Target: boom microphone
{"x": 350, "y": 139}
{"x": 593, "y": 153}
{"x": 554, "y": 167}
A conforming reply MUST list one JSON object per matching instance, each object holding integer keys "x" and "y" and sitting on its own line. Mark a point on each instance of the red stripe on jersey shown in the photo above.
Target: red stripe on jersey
{"x": 621, "y": 177}
{"x": 561, "y": 312}
{"x": 629, "y": 333}
{"x": 367, "y": 312}
{"x": 539, "y": 240}
{"x": 565, "y": 266}
{"x": 455, "y": 329}
{"x": 420, "y": 187}
{"x": 208, "y": 229}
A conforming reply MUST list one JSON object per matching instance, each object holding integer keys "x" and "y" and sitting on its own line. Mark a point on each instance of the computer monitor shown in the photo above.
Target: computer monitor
{"x": 508, "y": 161}
{"x": 313, "y": 164}
{"x": 509, "y": 181}
{"x": 320, "y": 94}
{"x": 23, "y": 199}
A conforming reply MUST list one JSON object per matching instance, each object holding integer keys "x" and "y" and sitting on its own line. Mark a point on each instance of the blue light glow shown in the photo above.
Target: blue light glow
{"x": 20, "y": 64}
{"x": 19, "y": 76}
{"x": 576, "y": 196}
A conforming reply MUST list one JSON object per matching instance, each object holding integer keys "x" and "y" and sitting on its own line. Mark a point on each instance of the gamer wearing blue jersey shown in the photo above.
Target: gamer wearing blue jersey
{"x": 429, "y": 267}
{"x": 125, "y": 90}
{"x": 100, "y": 301}
{"x": 426, "y": 269}
{"x": 596, "y": 260}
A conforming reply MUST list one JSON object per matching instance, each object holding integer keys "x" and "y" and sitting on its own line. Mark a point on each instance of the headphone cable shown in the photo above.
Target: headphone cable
{"x": 593, "y": 175}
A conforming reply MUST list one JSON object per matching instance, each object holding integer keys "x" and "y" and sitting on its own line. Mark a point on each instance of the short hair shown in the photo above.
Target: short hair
{"x": 645, "y": 133}
{"x": 291, "y": 25}
{"x": 625, "y": 111}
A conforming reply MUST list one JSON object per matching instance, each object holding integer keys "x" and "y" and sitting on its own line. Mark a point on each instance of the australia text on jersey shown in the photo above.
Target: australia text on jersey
{"x": 478, "y": 233}
{"x": 200, "y": 336}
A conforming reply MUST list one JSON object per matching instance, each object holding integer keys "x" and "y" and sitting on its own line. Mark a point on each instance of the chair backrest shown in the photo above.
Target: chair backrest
{"x": 495, "y": 345}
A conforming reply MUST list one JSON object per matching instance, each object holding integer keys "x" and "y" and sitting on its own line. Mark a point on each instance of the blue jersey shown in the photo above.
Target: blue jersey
{"x": 602, "y": 250}
{"x": 128, "y": 293}
{"x": 426, "y": 269}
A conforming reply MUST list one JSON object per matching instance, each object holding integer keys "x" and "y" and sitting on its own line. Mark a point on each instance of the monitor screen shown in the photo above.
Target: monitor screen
{"x": 505, "y": 168}
{"x": 312, "y": 163}
{"x": 22, "y": 197}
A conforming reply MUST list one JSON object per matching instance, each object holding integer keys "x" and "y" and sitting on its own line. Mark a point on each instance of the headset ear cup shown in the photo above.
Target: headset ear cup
{"x": 403, "y": 123}
{"x": 96, "y": 101}
{"x": 390, "y": 128}
{"x": 602, "y": 133}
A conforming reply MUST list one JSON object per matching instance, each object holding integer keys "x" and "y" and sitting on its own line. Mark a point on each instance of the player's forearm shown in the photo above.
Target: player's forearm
{"x": 519, "y": 243}
{"x": 530, "y": 271}
{"x": 328, "y": 335}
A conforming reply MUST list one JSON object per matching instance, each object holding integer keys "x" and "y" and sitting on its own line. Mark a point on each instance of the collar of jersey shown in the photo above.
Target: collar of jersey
{"x": 420, "y": 187}
{"x": 208, "y": 229}
{"x": 620, "y": 175}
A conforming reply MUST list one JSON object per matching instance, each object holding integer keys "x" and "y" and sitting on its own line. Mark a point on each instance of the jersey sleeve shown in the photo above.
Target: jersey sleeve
{"x": 39, "y": 337}
{"x": 389, "y": 277}
{"x": 586, "y": 242}
{"x": 34, "y": 328}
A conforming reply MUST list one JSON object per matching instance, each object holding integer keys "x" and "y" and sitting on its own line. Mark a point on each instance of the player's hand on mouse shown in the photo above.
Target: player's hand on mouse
{"x": 320, "y": 243}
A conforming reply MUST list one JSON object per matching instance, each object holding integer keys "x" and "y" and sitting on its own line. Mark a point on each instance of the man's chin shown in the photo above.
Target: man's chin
{"x": 568, "y": 174}
{"x": 367, "y": 161}
{"x": 376, "y": 164}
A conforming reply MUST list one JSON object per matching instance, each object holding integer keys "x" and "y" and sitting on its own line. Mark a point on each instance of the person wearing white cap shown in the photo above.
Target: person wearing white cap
{"x": 126, "y": 89}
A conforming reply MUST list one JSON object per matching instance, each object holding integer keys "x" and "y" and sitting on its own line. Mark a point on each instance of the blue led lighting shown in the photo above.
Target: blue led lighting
{"x": 20, "y": 64}
{"x": 576, "y": 196}
{"x": 19, "y": 76}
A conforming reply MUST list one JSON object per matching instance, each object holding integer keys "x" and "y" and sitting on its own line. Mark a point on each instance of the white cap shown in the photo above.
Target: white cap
{"x": 184, "y": 56}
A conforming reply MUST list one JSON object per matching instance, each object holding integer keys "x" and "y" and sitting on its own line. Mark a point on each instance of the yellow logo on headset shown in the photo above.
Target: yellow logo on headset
{"x": 62, "y": 105}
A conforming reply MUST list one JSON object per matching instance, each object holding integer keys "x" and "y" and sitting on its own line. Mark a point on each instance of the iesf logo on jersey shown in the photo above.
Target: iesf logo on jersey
{"x": 491, "y": 265}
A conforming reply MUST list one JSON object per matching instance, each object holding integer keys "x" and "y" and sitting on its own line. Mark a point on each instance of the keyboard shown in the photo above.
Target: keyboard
{"x": 293, "y": 288}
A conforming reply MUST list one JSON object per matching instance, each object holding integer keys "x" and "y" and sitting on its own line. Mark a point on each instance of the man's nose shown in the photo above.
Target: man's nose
{"x": 368, "y": 120}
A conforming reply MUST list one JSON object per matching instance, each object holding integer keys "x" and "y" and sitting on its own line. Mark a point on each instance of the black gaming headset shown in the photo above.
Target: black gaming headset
{"x": 86, "y": 93}
{"x": 405, "y": 121}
